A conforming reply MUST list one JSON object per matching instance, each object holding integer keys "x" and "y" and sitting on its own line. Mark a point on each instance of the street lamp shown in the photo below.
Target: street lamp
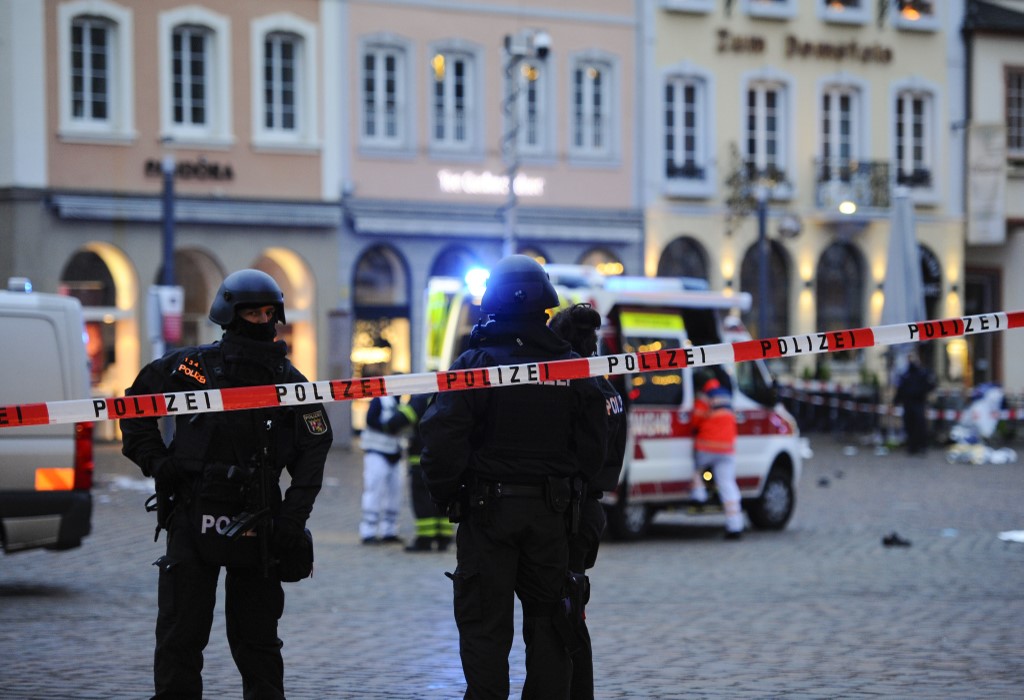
{"x": 761, "y": 194}
{"x": 523, "y": 45}
{"x": 167, "y": 166}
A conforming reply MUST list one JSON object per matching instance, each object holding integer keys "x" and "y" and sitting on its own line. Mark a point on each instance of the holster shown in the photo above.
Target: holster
{"x": 559, "y": 493}
{"x": 162, "y": 502}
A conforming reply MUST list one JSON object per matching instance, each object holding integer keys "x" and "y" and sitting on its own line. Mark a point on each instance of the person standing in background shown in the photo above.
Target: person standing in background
{"x": 432, "y": 526}
{"x": 578, "y": 325}
{"x": 714, "y": 450}
{"x": 382, "y": 455}
{"x": 912, "y": 391}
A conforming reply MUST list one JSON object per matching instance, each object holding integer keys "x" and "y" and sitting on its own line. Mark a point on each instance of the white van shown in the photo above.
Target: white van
{"x": 645, "y": 314}
{"x": 45, "y": 471}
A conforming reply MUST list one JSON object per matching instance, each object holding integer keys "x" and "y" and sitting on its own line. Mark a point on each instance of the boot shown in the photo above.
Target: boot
{"x": 442, "y": 542}
{"x": 420, "y": 544}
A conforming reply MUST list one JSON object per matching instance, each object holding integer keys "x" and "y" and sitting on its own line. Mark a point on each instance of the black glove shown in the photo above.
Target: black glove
{"x": 293, "y": 548}
{"x": 165, "y": 470}
{"x": 287, "y": 536}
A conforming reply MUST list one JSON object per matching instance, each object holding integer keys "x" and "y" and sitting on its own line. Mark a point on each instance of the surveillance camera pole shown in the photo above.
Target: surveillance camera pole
{"x": 518, "y": 47}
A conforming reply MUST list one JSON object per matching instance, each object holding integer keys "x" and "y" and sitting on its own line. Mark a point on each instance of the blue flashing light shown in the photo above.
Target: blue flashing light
{"x": 476, "y": 280}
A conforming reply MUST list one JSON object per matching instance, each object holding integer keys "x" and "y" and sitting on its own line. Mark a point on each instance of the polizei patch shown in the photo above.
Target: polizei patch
{"x": 316, "y": 424}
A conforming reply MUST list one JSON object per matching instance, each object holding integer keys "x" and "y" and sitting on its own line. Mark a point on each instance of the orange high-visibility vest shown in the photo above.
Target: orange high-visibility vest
{"x": 714, "y": 428}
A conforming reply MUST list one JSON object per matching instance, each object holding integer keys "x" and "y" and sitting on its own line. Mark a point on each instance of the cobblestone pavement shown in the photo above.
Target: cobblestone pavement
{"x": 820, "y": 610}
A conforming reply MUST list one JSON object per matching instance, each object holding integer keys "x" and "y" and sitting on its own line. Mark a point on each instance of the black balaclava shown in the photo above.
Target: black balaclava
{"x": 264, "y": 332}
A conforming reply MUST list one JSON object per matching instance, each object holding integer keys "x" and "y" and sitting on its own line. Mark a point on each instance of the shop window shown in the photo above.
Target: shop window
{"x": 604, "y": 261}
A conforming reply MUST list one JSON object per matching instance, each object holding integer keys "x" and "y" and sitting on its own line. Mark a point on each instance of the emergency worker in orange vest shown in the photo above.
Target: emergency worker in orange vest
{"x": 714, "y": 449}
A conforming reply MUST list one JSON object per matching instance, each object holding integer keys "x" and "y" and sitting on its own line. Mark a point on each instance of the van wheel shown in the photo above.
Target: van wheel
{"x": 773, "y": 509}
{"x": 628, "y": 521}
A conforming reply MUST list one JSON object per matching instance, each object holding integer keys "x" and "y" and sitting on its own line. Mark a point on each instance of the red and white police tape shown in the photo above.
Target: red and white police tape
{"x": 301, "y": 393}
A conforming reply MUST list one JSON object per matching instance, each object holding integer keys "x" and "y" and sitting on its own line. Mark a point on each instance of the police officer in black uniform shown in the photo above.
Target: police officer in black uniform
{"x": 218, "y": 494}
{"x": 578, "y": 325}
{"x": 503, "y": 461}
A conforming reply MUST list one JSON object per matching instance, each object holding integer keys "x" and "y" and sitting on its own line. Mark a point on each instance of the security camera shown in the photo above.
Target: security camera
{"x": 542, "y": 44}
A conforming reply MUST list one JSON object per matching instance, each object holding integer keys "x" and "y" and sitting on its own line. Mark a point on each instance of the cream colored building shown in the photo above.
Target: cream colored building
{"x": 994, "y": 47}
{"x": 821, "y": 102}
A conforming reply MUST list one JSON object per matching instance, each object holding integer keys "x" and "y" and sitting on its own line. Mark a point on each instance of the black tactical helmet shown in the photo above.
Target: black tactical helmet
{"x": 246, "y": 288}
{"x": 517, "y": 285}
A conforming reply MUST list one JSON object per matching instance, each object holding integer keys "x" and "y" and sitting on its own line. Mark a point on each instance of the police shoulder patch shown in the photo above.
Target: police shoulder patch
{"x": 316, "y": 423}
{"x": 191, "y": 369}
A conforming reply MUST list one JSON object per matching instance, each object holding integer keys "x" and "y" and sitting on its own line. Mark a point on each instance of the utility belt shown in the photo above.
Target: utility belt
{"x": 562, "y": 495}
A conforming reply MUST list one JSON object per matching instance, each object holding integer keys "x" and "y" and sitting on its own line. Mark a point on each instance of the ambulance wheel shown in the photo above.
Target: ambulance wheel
{"x": 628, "y": 521}
{"x": 773, "y": 509}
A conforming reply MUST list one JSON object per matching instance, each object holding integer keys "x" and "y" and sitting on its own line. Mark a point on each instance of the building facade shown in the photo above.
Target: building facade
{"x": 813, "y": 115}
{"x": 447, "y": 103}
{"x": 993, "y": 38}
{"x": 354, "y": 149}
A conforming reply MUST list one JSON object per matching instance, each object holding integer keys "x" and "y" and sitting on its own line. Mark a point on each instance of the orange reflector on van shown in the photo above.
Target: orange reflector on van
{"x": 55, "y": 479}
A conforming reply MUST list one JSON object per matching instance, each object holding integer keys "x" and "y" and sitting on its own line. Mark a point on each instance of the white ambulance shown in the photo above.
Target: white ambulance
{"x": 647, "y": 314}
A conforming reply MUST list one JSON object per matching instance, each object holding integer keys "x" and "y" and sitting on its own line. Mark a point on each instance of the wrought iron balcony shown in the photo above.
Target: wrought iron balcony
{"x": 865, "y": 183}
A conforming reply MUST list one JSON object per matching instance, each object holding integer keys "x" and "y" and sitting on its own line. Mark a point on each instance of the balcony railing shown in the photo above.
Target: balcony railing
{"x": 865, "y": 183}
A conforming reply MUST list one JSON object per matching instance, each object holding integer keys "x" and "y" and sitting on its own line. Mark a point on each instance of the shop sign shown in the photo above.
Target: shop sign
{"x": 477, "y": 183}
{"x": 199, "y": 169}
{"x": 795, "y": 47}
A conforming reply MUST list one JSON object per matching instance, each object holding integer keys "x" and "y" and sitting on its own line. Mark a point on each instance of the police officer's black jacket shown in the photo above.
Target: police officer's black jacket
{"x": 607, "y": 477}
{"x": 299, "y": 441}
{"x": 516, "y": 434}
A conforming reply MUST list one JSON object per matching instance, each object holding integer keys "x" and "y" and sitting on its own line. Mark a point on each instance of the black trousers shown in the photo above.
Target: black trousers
{"x": 186, "y": 598}
{"x": 915, "y": 423}
{"x": 517, "y": 547}
{"x": 582, "y": 555}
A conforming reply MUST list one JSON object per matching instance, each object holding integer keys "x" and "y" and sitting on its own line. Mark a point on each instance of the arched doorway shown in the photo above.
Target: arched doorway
{"x": 454, "y": 261}
{"x": 839, "y": 281}
{"x": 296, "y": 281}
{"x": 684, "y": 257}
{"x": 103, "y": 278}
{"x": 381, "y": 343}
{"x": 777, "y": 303}
{"x": 199, "y": 275}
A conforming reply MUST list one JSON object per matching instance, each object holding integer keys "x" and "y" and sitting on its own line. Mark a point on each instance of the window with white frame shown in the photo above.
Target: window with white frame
{"x": 283, "y": 82}
{"x": 1015, "y": 111}
{"x": 280, "y": 82}
{"x": 195, "y": 76}
{"x": 771, "y": 9}
{"x": 382, "y": 96}
{"x": 190, "y": 78}
{"x": 685, "y": 123}
{"x": 532, "y": 107}
{"x": 840, "y": 132}
{"x": 914, "y": 143}
{"x": 95, "y": 64}
{"x": 845, "y": 11}
{"x": 765, "y": 140}
{"x": 90, "y": 77}
{"x": 452, "y": 101}
{"x": 916, "y": 14}
{"x": 591, "y": 109}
